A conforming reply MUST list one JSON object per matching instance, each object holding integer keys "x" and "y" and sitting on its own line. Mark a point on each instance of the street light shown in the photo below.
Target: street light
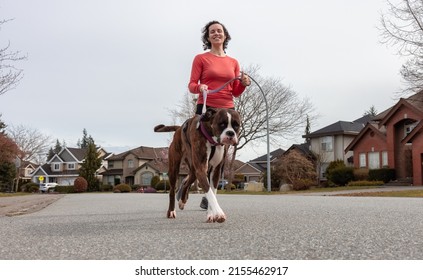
{"x": 269, "y": 189}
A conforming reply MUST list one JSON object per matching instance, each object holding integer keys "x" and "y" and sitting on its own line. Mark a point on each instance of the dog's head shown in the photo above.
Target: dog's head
{"x": 225, "y": 125}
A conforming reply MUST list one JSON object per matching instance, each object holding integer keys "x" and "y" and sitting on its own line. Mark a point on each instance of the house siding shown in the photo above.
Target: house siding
{"x": 417, "y": 159}
{"x": 371, "y": 143}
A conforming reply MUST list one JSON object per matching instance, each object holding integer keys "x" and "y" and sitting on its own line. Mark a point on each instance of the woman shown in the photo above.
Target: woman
{"x": 212, "y": 69}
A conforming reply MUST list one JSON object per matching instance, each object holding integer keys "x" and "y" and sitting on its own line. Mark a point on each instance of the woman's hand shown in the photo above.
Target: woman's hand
{"x": 245, "y": 80}
{"x": 203, "y": 88}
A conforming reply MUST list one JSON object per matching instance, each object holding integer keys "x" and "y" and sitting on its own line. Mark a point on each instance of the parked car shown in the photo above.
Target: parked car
{"x": 222, "y": 184}
{"x": 45, "y": 188}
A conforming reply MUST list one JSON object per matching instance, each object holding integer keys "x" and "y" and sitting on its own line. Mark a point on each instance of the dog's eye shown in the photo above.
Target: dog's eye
{"x": 223, "y": 125}
{"x": 235, "y": 125}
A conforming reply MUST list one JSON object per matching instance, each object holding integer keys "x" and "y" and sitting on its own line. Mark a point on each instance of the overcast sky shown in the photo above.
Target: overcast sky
{"x": 116, "y": 67}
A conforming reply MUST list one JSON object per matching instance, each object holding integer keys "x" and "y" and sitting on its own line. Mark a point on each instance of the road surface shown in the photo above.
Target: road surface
{"x": 109, "y": 226}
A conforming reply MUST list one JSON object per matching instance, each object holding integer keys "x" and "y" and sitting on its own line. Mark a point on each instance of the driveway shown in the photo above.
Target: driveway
{"x": 133, "y": 226}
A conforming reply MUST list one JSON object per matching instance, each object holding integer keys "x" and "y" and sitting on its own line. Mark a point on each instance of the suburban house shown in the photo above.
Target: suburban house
{"x": 63, "y": 167}
{"x": 329, "y": 143}
{"x": 26, "y": 168}
{"x": 394, "y": 139}
{"x": 137, "y": 166}
{"x": 302, "y": 149}
{"x": 254, "y": 169}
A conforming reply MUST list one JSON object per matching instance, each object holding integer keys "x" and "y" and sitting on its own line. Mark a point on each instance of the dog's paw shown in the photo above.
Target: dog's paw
{"x": 216, "y": 218}
{"x": 181, "y": 205}
{"x": 171, "y": 214}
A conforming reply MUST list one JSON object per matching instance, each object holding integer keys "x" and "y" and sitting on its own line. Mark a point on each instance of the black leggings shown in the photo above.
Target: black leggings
{"x": 199, "y": 110}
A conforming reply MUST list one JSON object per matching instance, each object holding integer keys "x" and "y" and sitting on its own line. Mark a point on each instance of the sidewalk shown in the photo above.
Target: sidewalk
{"x": 379, "y": 189}
{"x": 24, "y": 204}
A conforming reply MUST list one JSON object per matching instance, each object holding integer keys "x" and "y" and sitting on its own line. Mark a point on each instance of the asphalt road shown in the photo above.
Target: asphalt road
{"x": 134, "y": 226}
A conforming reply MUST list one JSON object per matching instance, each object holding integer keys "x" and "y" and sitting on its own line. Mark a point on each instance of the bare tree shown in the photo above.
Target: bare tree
{"x": 287, "y": 111}
{"x": 185, "y": 109}
{"x": 402, "y": 27}
{"x": 31, "y": 142}
{"x": 9, "y": 74}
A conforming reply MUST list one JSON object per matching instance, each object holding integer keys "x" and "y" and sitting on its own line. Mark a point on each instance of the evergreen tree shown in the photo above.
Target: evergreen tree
{"x": 307, "y": 129}
{"x": 2, "y": 126}
{"x": 7, "y": 173}
{"x": 371, "y": 111}
{"x": 57, "y": 148}
{"x": 85, "y": 140}
{"x": 91, "y": 164}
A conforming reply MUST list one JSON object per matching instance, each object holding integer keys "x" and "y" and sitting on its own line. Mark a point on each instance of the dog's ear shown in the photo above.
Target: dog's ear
{"x": 208, "y": 115}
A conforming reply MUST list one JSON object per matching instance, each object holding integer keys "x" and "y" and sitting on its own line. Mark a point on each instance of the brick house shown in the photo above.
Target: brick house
{"x": 394, "y": 139}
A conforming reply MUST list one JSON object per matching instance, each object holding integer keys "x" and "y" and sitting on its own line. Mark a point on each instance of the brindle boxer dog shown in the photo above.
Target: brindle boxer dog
{"x": 200, "y": 142}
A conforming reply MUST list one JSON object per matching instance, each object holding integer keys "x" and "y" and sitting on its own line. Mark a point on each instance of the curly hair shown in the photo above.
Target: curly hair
{"x": 205, "y": 37}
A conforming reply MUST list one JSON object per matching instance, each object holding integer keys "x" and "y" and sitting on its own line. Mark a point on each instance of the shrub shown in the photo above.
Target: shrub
{"x": 160, "y": 186}
{"x": 302, "y": 184}
{"x": 333, "y": 165}
{"x": 341, "y": 175}
{"x": 81, "y": 185}
{"x": 383, "y": 174}
{"x": 30, "y": 187}
{"x": 65, "y": 189}
{"x": 291, "y": 168}
{"x": 106, "y": 188}
{"x": 122, "y": 188}
{"x": 135, "y": 187}
{"x": 154, "y": 181}
{"x": 365, "y": 183}
{"x": 361, "y": 174}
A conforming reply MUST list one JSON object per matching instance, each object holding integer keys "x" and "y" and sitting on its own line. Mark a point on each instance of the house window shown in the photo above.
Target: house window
{"x": 408, "y": 127}
{"x": 327, "y": 144}
{"x": 362, "y": 160}
{"x": 111, "y": 164}
{"x": 146, "y": 178}
{"x": 56, "y": 166}
{"x": 385, "y": 159}
{"x": 71, "y": 166}
{"x": 374, "y": 162}
{"x": 130, "y": 163}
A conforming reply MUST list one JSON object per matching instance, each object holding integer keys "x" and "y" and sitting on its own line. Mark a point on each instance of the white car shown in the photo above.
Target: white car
{"x": 47, "y": 186}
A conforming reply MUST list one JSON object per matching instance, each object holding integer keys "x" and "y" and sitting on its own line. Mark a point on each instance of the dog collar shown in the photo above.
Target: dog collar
{"x": 207, "y": 135}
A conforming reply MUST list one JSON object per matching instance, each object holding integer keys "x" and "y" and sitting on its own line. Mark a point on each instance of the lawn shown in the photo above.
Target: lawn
{"x": 405, "y": 193}
{"x": 408, "y": 193}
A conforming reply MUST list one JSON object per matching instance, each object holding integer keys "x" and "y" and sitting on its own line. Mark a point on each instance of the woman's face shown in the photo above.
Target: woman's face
{"x": 216, "y": 34}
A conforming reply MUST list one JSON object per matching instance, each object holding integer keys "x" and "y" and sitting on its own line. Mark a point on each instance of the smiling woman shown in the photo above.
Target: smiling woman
{"x": 214, "y": 68}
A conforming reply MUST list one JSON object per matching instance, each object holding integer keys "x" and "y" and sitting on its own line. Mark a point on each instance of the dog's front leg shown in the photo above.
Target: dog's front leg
{"x": 214, "y": 212}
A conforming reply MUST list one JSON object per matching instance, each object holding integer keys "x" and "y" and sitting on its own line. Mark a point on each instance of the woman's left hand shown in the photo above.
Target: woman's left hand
{"x": 245, "y": 80}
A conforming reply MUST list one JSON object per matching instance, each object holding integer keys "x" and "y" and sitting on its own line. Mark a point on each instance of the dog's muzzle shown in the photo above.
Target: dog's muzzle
{"x": 229, "y": 137}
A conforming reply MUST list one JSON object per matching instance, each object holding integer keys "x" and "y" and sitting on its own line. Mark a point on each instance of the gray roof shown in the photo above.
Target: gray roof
{"x": 341, "y": 128}
{"x": 275, "y": 154}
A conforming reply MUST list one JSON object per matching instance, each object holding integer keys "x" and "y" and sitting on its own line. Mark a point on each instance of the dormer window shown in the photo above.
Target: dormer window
{"x": 409, "y": 126}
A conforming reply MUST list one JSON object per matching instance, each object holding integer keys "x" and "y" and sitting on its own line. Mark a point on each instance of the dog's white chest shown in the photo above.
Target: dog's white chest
{"x": 217, "y": 155}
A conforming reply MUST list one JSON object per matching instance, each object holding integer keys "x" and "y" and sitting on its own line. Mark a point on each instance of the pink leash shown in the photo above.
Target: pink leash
{"x": 205, "y": 92}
